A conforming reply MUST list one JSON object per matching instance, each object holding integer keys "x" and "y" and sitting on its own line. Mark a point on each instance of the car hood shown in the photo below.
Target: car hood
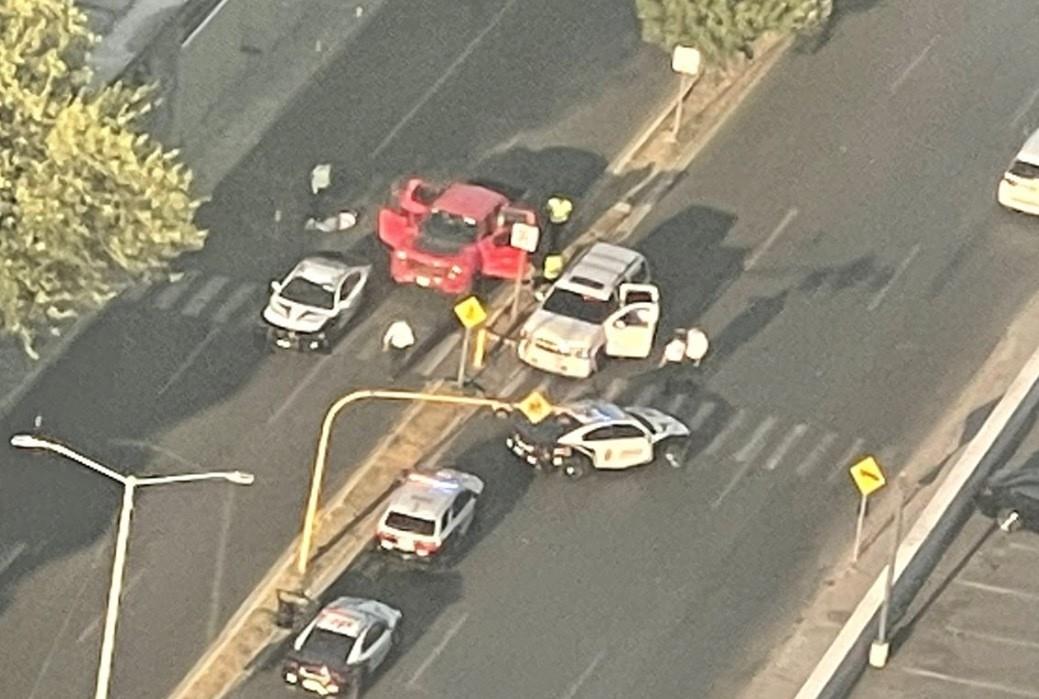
{"x": 294, "y": 316}
{"x": 565, "y": 333}
{"x": 663, "y": 425}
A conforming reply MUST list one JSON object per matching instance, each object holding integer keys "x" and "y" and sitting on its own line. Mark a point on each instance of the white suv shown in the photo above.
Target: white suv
{"x": 426, "y": 511}
{"x": 1019, "y": 188}
{"x": 602, "y": 306}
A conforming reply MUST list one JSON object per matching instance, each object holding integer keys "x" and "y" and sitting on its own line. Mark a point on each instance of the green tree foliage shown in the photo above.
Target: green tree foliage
{"x": 722, "y": 28}
{"x": 88, "y": 203}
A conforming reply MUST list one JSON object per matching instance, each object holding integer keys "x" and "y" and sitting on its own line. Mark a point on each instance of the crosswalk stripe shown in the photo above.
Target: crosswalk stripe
{"x": 726, "y": 432}
{"x": 135, "y": 293}
{"x": 674, "y": 406}
{"x": 789, "y": 440}
{"x": 203, "y": 296}
{"x": 169, "y": 295}
{"x": 751, "y": 449}
{"x": 614, "y": 389}
{"x": 438, "y": 354}
{"x": 702, "y": 413}
{"x": 647, "y": 394}
{"x": 844, "y": 463}
{"x": 236, "y": 299}
{"x": 817, "y": 453}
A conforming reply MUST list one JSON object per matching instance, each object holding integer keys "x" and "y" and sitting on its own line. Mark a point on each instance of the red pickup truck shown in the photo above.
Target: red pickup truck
{"x": 446, "y": 237}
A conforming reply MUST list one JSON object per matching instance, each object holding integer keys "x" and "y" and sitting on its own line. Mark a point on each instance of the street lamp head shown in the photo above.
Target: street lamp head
{"x": 240, "y": 477}
{"x": 26, "y": 441}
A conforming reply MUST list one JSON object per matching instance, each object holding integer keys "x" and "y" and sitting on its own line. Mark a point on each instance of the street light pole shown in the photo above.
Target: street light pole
{"x": 122, "y": 539}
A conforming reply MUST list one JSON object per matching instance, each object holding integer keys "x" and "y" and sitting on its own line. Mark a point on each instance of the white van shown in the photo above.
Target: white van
{"x": 1019, "y": 188}
{"x": 602, "y": 306}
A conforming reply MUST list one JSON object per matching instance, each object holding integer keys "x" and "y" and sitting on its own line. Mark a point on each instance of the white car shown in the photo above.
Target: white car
{"x": 426, "y": 511}
{"x": 347, "y": 640}
{"x": 595, "y": 434}
{"x": 311, "y": 307}
{"x": 601, "y": 307}
{"x": 1019, "y": 188}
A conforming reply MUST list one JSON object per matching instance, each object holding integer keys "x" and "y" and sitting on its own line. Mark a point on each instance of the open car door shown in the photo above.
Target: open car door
{"x": 497, "y": 256}
{"x": 630, "y": 330}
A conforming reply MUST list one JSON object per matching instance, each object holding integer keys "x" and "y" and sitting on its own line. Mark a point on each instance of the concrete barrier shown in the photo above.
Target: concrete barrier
{"x": 835, "y": 674}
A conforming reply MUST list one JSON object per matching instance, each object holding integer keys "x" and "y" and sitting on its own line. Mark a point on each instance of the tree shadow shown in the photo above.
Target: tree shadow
{"x": 814, "y": 41}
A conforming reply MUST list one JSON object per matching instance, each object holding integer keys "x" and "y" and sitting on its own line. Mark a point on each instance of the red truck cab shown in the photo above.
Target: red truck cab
{"x": 444, "y": 238}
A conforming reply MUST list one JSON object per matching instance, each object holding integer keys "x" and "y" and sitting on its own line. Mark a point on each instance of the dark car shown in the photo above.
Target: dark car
{"x": 1012, "y": 498}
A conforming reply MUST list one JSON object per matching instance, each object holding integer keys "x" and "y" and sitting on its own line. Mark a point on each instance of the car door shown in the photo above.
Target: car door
{"x": 375, "y": 645}
{"x": 630, "y": 330}
{"x": 462, "y": 510}
{"x": 497, "y": 256}
{"x": 629, "y": 446}
{"x": 350, "y": 292}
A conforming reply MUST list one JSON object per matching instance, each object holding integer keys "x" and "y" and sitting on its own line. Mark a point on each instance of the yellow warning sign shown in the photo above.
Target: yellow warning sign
{"x": 535, "y": 407}
{"x": 470, "y": 312}
{"x": 868, "y": 475}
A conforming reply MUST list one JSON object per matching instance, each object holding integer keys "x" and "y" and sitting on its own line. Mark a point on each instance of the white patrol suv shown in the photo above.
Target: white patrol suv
{"x": 347, "y": 640}
{"x": 1019, "y": 187}
{"x": 602, "y": 306}
{"x": 426, "y": 511}
{"x": 596, "y": 434}
{"x": 310, "y": 307}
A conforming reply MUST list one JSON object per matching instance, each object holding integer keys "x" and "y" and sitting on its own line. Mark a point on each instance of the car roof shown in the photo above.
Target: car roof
{"x": 1030, "y": 150}
{"x": 600, "y": 270}
{"x": 345, "y": 616}
{"x": 325, "y": 268}
{"x": 595, "y": 411}
{"x": 469, "y": 200}
{"x": 425, "y": 496}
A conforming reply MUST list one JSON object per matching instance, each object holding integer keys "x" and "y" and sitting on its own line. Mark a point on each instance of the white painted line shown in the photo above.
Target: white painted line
{"x": 168, "y": 296}
{"x": 203, "y": 296}
{"x": 736, "y": 478}
{"x": 438, "y": 650}
{"x": 95, "y": 624}
{"x": 789, "y": 440}
{"x": 702, "y": 413}
{"x": 674, "y": 406}
{"x": 913, "y": 64}
{"x": 998, "y": 589}
{"x": 220, "y": 564}
{"x": 574, "y": 688}
{"x": 242, "y": 294}
{"x": 994, "y": 638}
{"x": 573, "y": 391}
{"x": 435, "y": 87}
{"x": 727, "y": 431}
{"x": 852, "y": 454}
{"x": 894, "y": 277}
{"x": 647, "y": 394}
{"x": 752, "y": 448}
{"x": 816, "y": 455}
{"x": 135, "y": 293}
{"x": 10, "y": 555}
{"x": 976, "y": 684}
{"x": 514, "y": 382}
{"x": 771, "y": 239}
{"x": 318, "y": 367}
{"x": 1025, "y": 108}
{"x": 189, "y": 360}
{"x": 439, "y": 353}
{"x": 614, "y": 389}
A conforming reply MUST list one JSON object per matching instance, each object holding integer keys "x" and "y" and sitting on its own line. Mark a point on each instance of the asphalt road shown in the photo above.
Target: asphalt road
{"x": 840, "y": 242}
{"x": 172, "y": 379}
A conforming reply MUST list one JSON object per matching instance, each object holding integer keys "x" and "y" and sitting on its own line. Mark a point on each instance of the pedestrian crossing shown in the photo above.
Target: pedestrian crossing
{"x": 215, "y": 299}
{"x": 748, "y": 439}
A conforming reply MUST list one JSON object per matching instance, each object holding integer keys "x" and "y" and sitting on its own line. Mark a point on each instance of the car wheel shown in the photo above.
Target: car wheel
{"x": 673, "y": 452}
{"x": 576, "y": 467}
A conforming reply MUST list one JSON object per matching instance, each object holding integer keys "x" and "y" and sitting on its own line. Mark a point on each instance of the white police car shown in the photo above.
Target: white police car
{"x": 347, "y": 640}
{"x": 426, "y": 511}
{"x": 595, "y": 434}
{"x": 309, "y": 309}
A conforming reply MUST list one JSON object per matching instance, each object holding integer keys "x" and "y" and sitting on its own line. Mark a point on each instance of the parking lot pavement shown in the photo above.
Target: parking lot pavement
{"x": 972, "y": 632}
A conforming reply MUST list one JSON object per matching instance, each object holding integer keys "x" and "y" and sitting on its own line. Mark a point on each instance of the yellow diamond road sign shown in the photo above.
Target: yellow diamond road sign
{"x": 470, "y": 312}
{"x": 868, "y": 475}
{"x": 535, "y": 407}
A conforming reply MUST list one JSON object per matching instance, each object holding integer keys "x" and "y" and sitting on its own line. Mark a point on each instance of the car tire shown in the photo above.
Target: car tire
{"x": 673, "y": 452}
{"x": 576, "y": 467}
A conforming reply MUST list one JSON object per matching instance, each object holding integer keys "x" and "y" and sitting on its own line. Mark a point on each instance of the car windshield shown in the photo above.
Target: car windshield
{"x": 307, "y": 293}
{"x": 406, "y": 523}
{"x": 573, "y": 305}
{"x": 449, "y": 229}
{"x": 326, "y": 645}
{"x": 1025, "y": 170}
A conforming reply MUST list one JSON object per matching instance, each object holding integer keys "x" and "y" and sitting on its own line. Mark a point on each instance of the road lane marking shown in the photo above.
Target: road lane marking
{"x": 751, "y": 449}
{"x": 727, "y": 431}
{"x": 879, "y": 296}
{"x": 789, "y": 440}
{"x": 844, "y": 463}
{"x": 515, "y": 382}
{"x": 574, "y": 688}
{"x": 614, "y": 389}
{"x": 998, "y": 590}
{"x": 455, "y": 628}
{"x": 647, "y": 394}
{"x": 994, "y": 638}
{"x": 93, "y": 626}
{"x": 772, "y": 238}
{"x": 913, "y": 64}
{"x": 201, "y": 298}
{"x": 428, "y": 364}
{"x": 674, "y": 406}
{"x": 189, "y": 360}
{"x": 11, "y": 555}
{"x": 135, "y": 293}
{"x": 158, "y": 449}
{"x": 816, "y": 455}
{"x": 705, "y": 410}
{"x": 236, "y": 299}
{"x": 300, "y": 387}
{"x": 736, "y": 478}
{"x": 168, "y": 296}
{"x": 442, "y": 79}
{"x": 220, "y": 565}
{"x": 1025, "y": 108}
{"x": 975, "y": 684}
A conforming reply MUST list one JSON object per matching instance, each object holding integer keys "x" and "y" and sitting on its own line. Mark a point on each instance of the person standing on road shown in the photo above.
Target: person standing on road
{"x": 399, "y": 338}
{"x": 687, "y": 345}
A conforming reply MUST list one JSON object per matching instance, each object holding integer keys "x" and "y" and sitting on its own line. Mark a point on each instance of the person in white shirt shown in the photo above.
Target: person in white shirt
{"x": 399, "y": 338}
{"x": 696, "y": 345}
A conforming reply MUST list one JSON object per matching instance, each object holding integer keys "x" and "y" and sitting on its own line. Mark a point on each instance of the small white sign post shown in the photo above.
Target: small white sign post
{"x": 686, "y": 61}
{"x": 524, "y": 237}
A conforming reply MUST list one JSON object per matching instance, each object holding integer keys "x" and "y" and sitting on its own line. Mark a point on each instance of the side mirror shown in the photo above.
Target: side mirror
{"x": 275, "y": 286}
